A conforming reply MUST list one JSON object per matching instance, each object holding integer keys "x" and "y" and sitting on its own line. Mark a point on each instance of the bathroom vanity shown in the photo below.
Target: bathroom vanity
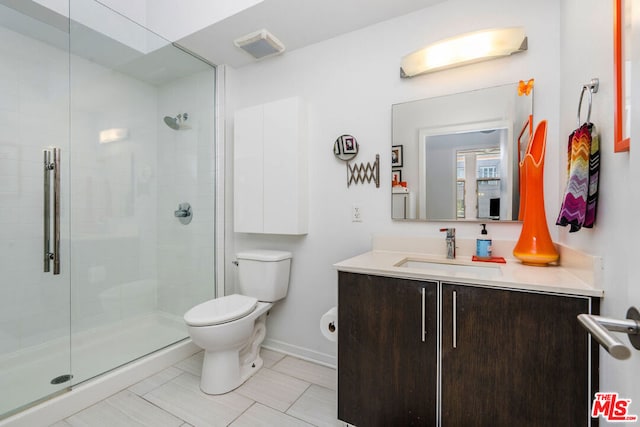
{"x": 428, "y": 341}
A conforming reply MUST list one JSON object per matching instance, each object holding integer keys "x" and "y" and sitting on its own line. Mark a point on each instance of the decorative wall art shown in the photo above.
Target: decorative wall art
{"x": 345, "y": 147}
{"x": 396, "y": 156}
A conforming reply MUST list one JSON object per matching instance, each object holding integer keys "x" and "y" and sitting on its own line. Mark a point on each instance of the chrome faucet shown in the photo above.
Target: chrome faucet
{"x": 451, "y": 242}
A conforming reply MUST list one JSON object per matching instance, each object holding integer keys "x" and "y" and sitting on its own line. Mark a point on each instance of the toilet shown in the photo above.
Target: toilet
{"x": 231, "y": 329}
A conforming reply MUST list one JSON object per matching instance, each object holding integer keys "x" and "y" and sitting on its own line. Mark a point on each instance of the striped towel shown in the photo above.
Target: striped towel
{"x": 594, "y": 177}
{"x": 581, "y": 195}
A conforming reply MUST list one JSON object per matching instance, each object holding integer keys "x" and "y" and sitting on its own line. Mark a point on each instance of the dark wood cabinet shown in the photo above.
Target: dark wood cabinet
{"x": 503, "y": 357}
{"x": 387, "y": 367}
{"x": 514, "y": 358}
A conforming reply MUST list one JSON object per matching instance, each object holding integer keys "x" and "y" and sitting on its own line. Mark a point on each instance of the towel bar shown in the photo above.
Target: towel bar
{"x": 590, "y": 88}
{"x": 599, "y": 328}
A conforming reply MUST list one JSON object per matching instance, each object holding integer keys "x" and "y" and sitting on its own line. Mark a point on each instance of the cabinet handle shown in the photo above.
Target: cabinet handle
{"x": 424, "y": 330}
{"x": 455, "y": 323}
{"x": 405, "y": 211}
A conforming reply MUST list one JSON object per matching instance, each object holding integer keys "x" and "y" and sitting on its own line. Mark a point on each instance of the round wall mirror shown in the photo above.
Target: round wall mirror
{"x": 346, "y": 147}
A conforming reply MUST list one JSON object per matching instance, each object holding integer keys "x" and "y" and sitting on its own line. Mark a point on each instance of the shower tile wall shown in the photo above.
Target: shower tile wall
{"x": 113, "y": 196}
{"x": 136, "y": 257}
{"x": 186, "y": 174}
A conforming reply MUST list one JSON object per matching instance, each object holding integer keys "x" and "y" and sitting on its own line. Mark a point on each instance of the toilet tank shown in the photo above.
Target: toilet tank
{"x": 264, "y": 274}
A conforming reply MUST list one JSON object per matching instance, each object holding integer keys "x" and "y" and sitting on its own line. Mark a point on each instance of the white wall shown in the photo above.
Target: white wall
{"x": 349, "y": 84}
{"x": 588, "y": 54}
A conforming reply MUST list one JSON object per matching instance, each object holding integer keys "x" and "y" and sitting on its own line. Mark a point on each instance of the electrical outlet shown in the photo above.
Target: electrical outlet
{"x": 356, "y": 214}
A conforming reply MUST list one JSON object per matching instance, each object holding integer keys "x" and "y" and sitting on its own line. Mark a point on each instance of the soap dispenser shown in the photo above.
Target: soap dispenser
{"x": 483, "y": 243}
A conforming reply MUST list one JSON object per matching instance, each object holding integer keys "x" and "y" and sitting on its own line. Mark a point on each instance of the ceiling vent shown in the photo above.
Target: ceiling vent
{"x": 260, "y": 44}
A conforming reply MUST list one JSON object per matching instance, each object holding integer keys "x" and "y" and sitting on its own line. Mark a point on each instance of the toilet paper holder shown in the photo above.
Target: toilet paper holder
{"x": 599, "y": 328}
{"x": 332, "y": 327}
{"x": 329, "y": 324}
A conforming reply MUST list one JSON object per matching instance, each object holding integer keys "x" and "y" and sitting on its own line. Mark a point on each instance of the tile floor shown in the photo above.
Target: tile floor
{"x": 285, "y": 392}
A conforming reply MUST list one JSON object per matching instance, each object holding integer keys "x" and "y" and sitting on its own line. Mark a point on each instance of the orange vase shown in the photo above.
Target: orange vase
{"x": 535, "y": 246}
{"x": 521, "y": 181}
{"x": 523, "y": 189}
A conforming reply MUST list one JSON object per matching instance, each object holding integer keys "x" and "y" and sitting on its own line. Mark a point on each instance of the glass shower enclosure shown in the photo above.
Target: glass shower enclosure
{"x": 107, "y": 187}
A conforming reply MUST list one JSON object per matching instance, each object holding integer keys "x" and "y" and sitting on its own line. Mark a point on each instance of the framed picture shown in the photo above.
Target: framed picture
{"x": 349, "y": 144}
{"x": 346, "y": 147}
{"x": 396, "y": 156}
{"x": 396, "y": 175}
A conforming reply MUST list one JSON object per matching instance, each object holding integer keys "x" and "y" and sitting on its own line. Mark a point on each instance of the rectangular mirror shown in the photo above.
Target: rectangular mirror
{"x": 461, "y": 155}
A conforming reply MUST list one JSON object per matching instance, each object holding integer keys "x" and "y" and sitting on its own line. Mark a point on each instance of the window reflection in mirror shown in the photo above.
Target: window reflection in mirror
{"x": 481, "y": 183}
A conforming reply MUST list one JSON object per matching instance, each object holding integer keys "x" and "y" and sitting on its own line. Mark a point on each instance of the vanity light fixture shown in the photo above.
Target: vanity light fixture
{"x": 464, "y": 49}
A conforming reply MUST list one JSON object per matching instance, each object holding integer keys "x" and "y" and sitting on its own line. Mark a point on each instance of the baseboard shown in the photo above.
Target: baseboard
{"x": 301, "y": 352}
{"x": 99, "y": 388}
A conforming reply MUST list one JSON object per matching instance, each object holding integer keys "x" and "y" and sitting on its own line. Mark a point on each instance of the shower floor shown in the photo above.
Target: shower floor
{"x": 25, "y": 376}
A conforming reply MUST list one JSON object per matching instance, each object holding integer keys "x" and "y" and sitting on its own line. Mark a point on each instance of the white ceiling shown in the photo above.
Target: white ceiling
{"x": 296, "y": 23}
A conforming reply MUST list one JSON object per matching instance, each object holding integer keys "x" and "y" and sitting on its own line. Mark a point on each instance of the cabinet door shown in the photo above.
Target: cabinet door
{"x": 270, "y": 169}
{"x": 399, "y": 206}
{"x": 248, "y": 170}
{"x": 285, "y": 168}
{"x": 386, "y": 372}
{"x": 513, "y": 358}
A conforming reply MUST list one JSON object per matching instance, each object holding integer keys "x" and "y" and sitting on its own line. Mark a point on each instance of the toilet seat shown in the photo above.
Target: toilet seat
{"x": 220, "y": 310}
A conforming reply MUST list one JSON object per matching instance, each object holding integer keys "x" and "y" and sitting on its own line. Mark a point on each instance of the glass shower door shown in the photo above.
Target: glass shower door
{"x": 130, "y": 117}
{"x": 34, "y": 116}
{"x": 141, "y": 146}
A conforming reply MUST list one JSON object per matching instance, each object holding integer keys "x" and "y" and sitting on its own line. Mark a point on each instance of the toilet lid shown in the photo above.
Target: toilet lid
{"x": 220, "y": 310}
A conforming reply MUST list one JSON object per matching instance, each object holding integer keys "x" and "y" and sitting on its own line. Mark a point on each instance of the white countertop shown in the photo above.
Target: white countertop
{"x": 512, "y": 275}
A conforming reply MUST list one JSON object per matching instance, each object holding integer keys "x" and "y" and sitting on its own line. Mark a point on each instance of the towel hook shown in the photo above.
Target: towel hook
{"x": 591, "y": 87}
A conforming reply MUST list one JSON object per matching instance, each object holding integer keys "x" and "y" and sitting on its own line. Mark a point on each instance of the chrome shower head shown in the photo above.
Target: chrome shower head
{"x": 172, "y": 122}
{"x": 176, "y": 123}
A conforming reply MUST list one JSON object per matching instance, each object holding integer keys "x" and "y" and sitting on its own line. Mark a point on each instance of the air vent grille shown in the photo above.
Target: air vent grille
{"x": 260, "y": 44}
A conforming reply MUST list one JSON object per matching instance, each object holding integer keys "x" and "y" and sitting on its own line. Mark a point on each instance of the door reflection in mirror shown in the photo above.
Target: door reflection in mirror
{"x": 463, "y": 173}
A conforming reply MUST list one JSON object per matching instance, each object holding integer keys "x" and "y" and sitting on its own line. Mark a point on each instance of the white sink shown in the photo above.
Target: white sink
{"x": 485, "y": 270}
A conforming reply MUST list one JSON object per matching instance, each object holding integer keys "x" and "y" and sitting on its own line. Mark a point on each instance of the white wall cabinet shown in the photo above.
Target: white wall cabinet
{"x": 270, "y": 169}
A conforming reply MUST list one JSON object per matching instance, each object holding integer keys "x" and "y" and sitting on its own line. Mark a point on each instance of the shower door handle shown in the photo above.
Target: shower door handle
{"x": 56, "y": 211}
{"x": 51, "y": 164}
{"x": 46, "y": 216}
